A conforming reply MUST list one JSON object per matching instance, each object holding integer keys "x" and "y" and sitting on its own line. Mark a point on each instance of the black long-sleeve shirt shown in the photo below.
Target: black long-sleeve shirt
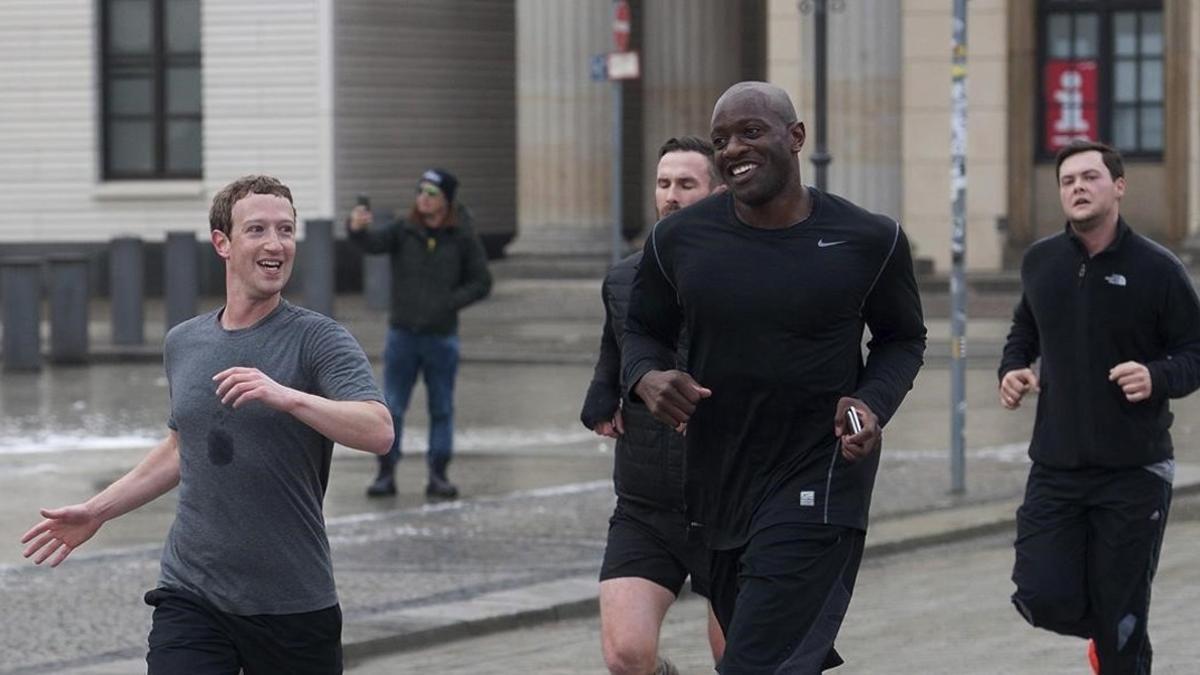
{"x": 1082, "y": 315}
{"x": 776, "y": 322}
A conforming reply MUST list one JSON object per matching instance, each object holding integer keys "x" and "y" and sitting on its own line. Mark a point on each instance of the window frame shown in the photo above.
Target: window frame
{"x": 160, "y": 60}
{"x": 1106, "y": 59}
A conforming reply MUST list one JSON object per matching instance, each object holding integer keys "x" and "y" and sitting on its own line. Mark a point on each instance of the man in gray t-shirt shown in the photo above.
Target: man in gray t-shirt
{"x": 260, "y": 391}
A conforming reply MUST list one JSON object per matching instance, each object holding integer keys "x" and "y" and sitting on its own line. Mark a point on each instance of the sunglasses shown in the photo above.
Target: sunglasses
{"x": 431, "y": 190}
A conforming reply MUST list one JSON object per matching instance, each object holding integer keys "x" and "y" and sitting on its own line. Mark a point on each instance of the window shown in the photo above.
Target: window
{"x": 150, "y": 89}
{"x": 1101, "y": 72}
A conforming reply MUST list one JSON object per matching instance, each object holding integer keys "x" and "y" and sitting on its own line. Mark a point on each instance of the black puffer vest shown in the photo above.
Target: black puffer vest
{"x": 649, "y": 465}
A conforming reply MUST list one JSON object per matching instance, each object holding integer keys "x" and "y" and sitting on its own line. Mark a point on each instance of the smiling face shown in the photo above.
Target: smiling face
{"x": 260, "y": 248}
{"x": 755, "y": 147}
{"x": 1087, "y": 191}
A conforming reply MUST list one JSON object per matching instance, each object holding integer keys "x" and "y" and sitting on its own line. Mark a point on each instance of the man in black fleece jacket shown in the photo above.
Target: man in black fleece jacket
{"x": 774, "y": 282}
{"x": 649, "y": 554}
{"x": 1116, "y": 323}
{"x": 438, "y": 268}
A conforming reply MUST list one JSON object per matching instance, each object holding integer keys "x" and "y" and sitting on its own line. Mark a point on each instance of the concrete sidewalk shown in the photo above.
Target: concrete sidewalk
{"x": 577, "y": 595}
{"x": 413, "y": 578}
{"x": 939, "y": 610}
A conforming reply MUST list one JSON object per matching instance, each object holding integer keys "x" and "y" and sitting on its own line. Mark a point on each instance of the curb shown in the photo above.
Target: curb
{"x": 570, "y": 597}
{"x": 354, "y": 652}
{"x": 494, "y": 612}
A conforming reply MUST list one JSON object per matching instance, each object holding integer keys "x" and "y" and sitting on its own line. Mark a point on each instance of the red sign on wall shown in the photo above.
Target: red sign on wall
{"x": 1069, "y": 100}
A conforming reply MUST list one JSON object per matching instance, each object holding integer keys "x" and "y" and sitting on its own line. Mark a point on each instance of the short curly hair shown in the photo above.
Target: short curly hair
{"x": 220, "y": 216}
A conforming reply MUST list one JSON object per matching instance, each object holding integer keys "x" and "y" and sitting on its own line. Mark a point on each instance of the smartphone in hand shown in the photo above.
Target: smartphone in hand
{"x": 854, "y": 419}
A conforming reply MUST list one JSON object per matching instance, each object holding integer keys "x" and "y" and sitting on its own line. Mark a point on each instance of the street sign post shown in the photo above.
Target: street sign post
{"x": 622, "y": 25}
{"x": 619, "y": 65}
{"x": 958, "y": 251}
{"x": 599, "y": 67}
{"x": 623, "y": 66}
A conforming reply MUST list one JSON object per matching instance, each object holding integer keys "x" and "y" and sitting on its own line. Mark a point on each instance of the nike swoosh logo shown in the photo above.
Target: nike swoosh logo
{"x": 826, "y": 244}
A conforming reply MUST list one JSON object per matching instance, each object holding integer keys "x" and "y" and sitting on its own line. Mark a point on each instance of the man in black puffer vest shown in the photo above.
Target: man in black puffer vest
{"x": 649, "y": 552}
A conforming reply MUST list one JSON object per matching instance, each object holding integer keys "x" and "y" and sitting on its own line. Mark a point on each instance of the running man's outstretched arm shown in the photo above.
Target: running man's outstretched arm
{"x": 343, "y": 404}
{"x": 648, "y": 357}
{"x": 896, "y": 350}
{"x": 1020, "y": 351}
{"x": 652, "y": 321}
{"x": 65, "y": 529}
{"x": 895, "y": 353}
{"x": 362, "y": 425}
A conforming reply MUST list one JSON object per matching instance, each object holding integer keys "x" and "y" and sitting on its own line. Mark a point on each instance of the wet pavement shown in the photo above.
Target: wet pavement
{"x": 67, "y": 433}
{"x": 522, "y": 546}
{"x": 941, "y": 610}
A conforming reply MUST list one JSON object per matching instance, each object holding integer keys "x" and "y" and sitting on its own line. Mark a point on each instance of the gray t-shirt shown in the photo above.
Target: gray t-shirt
{"x": 249, "y": 532}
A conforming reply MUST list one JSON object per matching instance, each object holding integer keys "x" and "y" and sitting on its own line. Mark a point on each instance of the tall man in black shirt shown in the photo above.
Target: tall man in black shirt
{"x": 649, "y": 554}
{"x": 1116, "y": 323}
{"x": 774, "y": 282}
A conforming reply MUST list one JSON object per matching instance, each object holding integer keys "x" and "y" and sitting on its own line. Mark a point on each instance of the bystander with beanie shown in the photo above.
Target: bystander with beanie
{"x": 438, "y": 268}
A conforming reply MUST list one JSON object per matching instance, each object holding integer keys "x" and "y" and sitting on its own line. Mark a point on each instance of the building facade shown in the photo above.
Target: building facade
{"x": 123, "y": 117}
{"x": 1040, "y": 73}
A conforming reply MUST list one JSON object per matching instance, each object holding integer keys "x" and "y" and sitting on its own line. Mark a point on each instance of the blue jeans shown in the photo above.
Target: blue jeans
{"x": 436, "y": 356}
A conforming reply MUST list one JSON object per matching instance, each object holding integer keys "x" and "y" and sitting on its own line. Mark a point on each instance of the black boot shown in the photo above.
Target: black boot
{"x": 440, "y": 487}
{"x": 384, "y": 484}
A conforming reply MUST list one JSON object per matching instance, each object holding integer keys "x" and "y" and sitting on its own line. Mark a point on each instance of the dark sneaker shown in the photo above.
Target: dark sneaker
{"x": 440, "y": 488}
{"x": 384, "y": 485}
{"x": 665, "y": 667}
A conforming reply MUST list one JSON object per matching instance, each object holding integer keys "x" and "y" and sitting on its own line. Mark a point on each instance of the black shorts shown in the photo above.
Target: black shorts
{"x": 188, "y": 635}
{"x": 782, "y": 596}
{"x": 653, "y": 544}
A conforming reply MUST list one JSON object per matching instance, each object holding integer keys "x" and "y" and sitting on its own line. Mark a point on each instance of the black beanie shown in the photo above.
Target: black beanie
{"x": 445, "y": 181}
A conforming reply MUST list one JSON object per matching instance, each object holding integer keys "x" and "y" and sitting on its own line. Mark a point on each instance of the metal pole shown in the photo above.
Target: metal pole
{"x": 617, "y": 133}
{"x": 958, "y": 251}
{"x": 69, "y": 298}
{"x": 181, "y": 277}
{"x": 820, "y": 157}
{"x": 318, "y": 265}
{"x": 126, "y": 290}
{"x": 377, "y": 280}
{"x": 21, "y": 288}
